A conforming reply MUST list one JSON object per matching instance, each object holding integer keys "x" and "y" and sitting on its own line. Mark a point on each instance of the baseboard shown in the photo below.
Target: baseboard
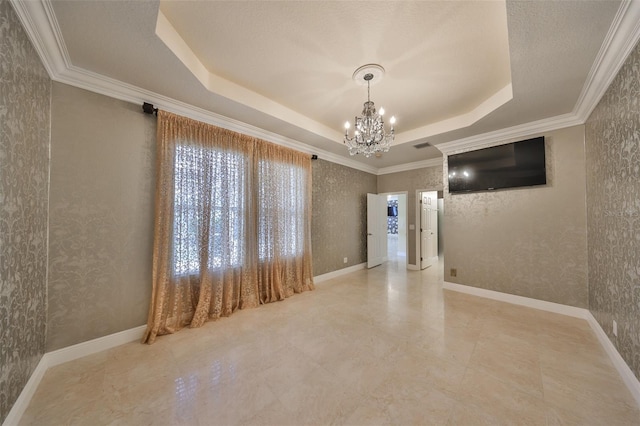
{"x": 94, "y": 346}
{"x": 21, "y": 404}
{"x": 412, "y": 267}
{"x": 339, "y": 272}
{"x": 63, "y": 355}
{"x": 543, "y": 305}
{"x": 629, "y": 379}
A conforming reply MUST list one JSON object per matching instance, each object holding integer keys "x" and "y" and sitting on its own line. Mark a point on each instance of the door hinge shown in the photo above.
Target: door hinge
{"x": 420, "y": 259}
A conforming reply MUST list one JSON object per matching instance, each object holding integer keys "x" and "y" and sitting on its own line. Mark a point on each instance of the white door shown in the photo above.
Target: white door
{"x": 376, "y": 229}
{"x": 428, "y": 228}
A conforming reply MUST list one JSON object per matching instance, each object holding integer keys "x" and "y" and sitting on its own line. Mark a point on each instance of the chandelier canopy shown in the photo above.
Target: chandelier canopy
{"x": 369, "y": 136}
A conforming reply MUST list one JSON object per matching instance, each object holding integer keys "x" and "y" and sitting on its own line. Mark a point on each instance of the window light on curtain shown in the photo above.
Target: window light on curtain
{"x": 232, "y": 224}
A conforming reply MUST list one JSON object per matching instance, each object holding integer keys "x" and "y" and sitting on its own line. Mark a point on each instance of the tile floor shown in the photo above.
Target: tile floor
{"x": 380, "y": 346}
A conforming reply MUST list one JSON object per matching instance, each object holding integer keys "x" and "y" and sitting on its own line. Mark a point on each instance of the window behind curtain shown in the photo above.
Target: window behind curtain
{"x": 209, "y": 209}
{"x": 281, "y": 210}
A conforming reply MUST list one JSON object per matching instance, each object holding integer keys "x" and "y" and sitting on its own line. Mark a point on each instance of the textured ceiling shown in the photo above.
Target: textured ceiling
{"x": 286, "y": 67}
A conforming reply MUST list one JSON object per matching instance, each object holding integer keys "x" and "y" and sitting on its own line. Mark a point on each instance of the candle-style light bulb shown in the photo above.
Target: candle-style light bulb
{"x": 393, "y": 120}
{"x": 381, "y": 111}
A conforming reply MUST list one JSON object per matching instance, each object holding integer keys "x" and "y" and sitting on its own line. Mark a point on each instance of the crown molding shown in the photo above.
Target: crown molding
{"x": 432, "y": 162}
{"x": 622, "y": 37}
{"x": 509, "y": 134}
{"x": 35, "y": 20}
{"x": 40, "y": 24}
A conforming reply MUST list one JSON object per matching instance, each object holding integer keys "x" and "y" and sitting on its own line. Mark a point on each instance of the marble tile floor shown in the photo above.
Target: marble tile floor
{"x": 379, "y": 346}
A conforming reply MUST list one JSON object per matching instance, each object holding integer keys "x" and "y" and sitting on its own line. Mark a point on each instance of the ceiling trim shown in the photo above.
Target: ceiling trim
{"x": 41, "y": 26}
{"x": 39, "y": 22}
{"x": 622, "y": 37}
{"x": 489, "y": 105}
{"x": 502, "y": 136}
{"x": 432, "y": 162}
{"x": 230, "y": 90}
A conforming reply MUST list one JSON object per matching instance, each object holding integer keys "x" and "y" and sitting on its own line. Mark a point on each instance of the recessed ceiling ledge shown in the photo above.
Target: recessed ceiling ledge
{"x": 223, "y": 87}
{"x": 495, "y": 101}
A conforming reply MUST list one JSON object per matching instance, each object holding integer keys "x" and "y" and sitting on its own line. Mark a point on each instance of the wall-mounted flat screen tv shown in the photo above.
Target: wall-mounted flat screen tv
{"x": 392, "y": 211}
{"x": 504, "y": 166}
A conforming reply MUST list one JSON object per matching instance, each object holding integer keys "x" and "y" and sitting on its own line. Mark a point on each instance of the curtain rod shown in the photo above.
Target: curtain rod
{"x": 148, "y": 108}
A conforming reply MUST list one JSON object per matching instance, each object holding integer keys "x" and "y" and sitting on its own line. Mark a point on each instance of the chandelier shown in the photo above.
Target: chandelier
{"x": 369, "y": 135}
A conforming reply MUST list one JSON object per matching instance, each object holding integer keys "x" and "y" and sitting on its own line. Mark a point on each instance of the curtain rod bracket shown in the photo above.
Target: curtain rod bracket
{"x": 149, "y": 109}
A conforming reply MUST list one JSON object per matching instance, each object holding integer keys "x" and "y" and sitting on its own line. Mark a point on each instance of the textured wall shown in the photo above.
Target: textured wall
{"x": 429, "y": 178}
{"x": 101, "y": 216}
{"x": 613, "y": 210}
{"x": 24, "y": 178}
{"x": 339, "y": 222}
{"x": 529, "y": 242}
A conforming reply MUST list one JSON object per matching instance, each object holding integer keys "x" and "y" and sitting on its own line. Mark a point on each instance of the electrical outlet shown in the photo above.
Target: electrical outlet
{"x": 345, "y": 260}
{"x": 453, "y": 272}
{"x": 615, "y": 328}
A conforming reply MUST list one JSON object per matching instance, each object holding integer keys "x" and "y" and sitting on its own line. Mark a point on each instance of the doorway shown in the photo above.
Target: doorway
{"x": 397, "y": 228}
{"x": 427, "y": 232}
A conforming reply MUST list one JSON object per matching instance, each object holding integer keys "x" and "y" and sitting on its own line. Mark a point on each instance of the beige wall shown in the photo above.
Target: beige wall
{"x": 339, "y": 223}
{"x": 429, "y": 178}
{"x": 528, "y": 241}
{"x": 613, "y": 211}
{"x": 101, "y": 216}
{"x": 24, "y": 181}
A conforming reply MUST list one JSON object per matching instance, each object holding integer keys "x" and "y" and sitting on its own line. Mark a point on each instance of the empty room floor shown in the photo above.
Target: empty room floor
{"x": 379, "y": 346}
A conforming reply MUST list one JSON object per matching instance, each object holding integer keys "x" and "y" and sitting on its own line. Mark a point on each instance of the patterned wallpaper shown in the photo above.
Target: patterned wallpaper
{"x": 392, "y": 221}
{"x": 24, "y": 170}
{"x": 429, "y": 178}
{"x": 101, "y": 216}
{"x": 339, "y": 219}
{"x": 530, "y": 242}
{"x": 613, "y": 210}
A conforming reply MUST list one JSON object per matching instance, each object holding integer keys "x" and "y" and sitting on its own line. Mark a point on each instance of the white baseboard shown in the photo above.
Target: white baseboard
{"x": 412, "y": 267}
{"x": 21, "y": 404}
{"x": 94, "y": 346}
{"x": 63, "y": 355}
{"x": 543, "y": 305}
{"x": 629, "y": 379}
{"x": 339, "y": 272}
{"x": 632, "y": 382}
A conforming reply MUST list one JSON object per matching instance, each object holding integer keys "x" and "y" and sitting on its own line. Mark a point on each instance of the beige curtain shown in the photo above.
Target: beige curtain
{"x": 232, "y": 224}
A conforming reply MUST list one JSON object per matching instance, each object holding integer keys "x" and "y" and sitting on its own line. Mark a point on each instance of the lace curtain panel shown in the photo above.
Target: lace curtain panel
{"x": 232, "y": 224}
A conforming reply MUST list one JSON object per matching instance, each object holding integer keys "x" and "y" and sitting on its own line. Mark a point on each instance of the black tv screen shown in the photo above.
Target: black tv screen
{"x": 392, "y": 211}
{"x": 504, "y": 166}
